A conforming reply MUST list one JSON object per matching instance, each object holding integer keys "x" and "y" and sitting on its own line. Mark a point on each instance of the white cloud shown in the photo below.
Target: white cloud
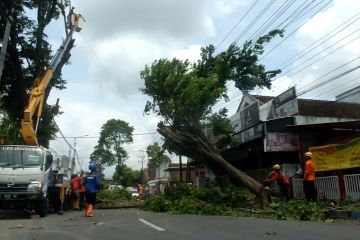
{"x": 163, "y": 18}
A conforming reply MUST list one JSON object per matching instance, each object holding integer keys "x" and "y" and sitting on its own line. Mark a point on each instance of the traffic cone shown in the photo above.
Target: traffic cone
{"x": 89, "y": 212}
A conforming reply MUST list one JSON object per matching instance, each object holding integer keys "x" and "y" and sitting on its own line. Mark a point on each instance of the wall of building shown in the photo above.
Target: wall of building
{"x": 352, "y": 95}
{"x": 304, "y": 120}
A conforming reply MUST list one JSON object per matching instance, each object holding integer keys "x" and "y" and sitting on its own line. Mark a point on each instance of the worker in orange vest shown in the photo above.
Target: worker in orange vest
{"x": 75, "y": 194}
{"x": 282, "y": 181}
{"x": 309, "y": 177}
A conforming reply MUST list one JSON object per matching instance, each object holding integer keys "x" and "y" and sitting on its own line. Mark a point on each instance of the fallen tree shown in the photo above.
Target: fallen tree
{"x": 183, "y": 95}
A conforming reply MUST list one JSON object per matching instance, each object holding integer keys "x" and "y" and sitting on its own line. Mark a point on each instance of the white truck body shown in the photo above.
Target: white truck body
{"x": 25, "y": 177}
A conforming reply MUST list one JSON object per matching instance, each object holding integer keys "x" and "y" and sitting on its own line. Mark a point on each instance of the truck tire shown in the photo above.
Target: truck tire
{"x": 42, "y": 207}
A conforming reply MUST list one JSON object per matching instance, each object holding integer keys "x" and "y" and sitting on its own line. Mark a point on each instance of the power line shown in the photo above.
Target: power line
{"x": 294, "y": 31}
{"x": 62, "y": 134}
{"x": 265, "y": 9}
{"x": 335, "y": 69}
{"x": 275, "y": 16}
{"x": 110, "y": 77}
{"x": 314, "y": 45}
{"x": 349, "y": 83}
{"x": 238, "y": 22}
{"x": 291, "y": 15}
{"x": 329, "y": 80}
{"x": 301, "y": 13}
{"x": 311, "y": 63}
{"x": 134, "y": 134}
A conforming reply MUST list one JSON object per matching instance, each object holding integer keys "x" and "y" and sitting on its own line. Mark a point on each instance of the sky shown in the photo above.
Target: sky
{"x": 120, "y": 37}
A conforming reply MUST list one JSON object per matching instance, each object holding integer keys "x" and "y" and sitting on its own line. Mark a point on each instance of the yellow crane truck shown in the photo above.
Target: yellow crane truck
{"x": 31, "y": 176}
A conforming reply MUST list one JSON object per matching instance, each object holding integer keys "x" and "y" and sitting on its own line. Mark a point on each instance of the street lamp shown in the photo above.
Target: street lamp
{"x": 74, "y": 151}
{"x": 142, "y": 157}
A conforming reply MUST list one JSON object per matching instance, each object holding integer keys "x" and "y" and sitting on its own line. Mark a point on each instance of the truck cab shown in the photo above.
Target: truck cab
{"x": 25, "y": 175}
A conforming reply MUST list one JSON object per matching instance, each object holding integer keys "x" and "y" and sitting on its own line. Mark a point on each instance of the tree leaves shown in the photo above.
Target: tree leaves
{"x": 28, "y": 53}
{"x": 184, "y": 96}
{"x": 156, "y": 155}
{"x": 109, "y": 151}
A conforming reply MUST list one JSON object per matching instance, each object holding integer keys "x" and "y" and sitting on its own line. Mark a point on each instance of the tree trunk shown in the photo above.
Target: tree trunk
{"x": 194, "y": 147}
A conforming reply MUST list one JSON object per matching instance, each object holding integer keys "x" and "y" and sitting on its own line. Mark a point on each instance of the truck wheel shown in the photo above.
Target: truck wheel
{"x": 42, "y": 207}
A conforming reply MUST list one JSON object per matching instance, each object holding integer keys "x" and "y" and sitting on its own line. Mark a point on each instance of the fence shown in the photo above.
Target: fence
{"x": 329, "y": 188}
{"x": 352, "y": 186}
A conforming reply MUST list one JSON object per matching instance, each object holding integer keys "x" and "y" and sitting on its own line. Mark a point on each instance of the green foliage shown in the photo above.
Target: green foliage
{"x": 109, "y": 151}
{"x": 157, "y": 203}
{"x": 117, "y": 194}
{"x": 126, "y": 176}
{"x": 156, "y": 155}
{"x": 299, "y": 210}
{"x": 184, "y": 94}
{"x": 232, "y": 201}
{"x": 205, "y": 201}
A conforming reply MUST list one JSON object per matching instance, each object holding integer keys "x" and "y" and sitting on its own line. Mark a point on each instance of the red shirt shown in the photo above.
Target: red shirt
{"x": 277, "y": 175}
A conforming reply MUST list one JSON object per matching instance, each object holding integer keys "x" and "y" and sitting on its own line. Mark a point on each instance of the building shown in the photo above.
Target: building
{"x": 280, "y": 129}
{"x": 161, "y": 179}
{"x": 353, "y": 95}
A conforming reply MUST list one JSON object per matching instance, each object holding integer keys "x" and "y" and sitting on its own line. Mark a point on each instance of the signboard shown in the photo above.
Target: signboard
{"x": 284, "y": 97}
{"x": 285, "y": 104}
{"x": 337, "y": 156}
{"x": 249, "y": 116}
{"x": 281, "y": 142}
{"x": 250, "y": 134}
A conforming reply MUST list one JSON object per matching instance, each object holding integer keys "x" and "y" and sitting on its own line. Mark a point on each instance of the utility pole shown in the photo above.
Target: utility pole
{"x": 142, "y": 160}
{"x": 5, "y": 19}
{"x": 181, "y": 171}
{"x": 72, "y": 164}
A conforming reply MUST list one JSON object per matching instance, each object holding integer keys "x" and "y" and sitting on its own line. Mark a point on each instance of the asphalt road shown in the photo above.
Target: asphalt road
{"x": 135, "y": 224}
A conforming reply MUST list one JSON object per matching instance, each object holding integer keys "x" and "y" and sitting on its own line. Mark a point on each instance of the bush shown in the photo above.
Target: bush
{"x": 206, "y": 201}
{"x": 117, "y": 194}
{"x": 157, "y": 203}
{"x": 299, "y": 210}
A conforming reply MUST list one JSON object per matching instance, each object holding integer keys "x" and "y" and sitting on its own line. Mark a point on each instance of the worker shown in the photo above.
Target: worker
{"x": 140, "y": 189}
{"x": 75, "y": 191}
{"x": 82, "y": 191}
{"x": 92, "y": 185}
{"x": 282, "y": 181}
{"x": 309, "y": 177}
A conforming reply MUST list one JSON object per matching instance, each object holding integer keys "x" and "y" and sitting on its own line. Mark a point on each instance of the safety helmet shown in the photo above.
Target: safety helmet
{"x": 92, "y": 166}
{"x": 308, "y": 154}
{"x": 276, "y": 167}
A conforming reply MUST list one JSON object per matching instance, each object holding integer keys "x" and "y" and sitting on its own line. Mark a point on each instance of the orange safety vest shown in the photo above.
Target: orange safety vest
{"x": 75, "y": 184}
{"x": 277, "y": 175}
{"x": 309, "y": 171}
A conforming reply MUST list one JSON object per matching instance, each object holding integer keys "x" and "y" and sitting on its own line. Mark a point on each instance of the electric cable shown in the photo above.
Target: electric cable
{"x": 321, "y": 58}
{"x": 275, "y": 16}
{"x": 265, "y": 9}
{"x": 294, "y": 31}
{"x": 318, "y": 43}
{"x": 238, "y": 22}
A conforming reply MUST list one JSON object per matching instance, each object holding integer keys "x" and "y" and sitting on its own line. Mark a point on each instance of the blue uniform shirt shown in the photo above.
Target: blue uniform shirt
{"x": 92, "y": 183}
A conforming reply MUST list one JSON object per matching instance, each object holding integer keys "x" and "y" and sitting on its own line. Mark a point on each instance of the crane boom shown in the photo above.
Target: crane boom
{"x": 37, "y": 93}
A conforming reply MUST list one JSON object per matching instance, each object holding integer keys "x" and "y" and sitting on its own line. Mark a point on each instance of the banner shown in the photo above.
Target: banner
{"x": 281, "y": 142}
{"x": 337, "y": 156}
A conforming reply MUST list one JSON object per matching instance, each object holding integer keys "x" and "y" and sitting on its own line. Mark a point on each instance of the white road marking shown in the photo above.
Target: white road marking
{"x": 151, "y": 225}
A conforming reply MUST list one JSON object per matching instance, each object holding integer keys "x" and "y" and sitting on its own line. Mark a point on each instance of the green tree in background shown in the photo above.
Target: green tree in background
{"x": 126, "y": 176}
{"x": 183, "y": 95}
{"x": 156, "y": 155}
{"x": 28, "y": 53}
{"x": 109, "y": 151}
